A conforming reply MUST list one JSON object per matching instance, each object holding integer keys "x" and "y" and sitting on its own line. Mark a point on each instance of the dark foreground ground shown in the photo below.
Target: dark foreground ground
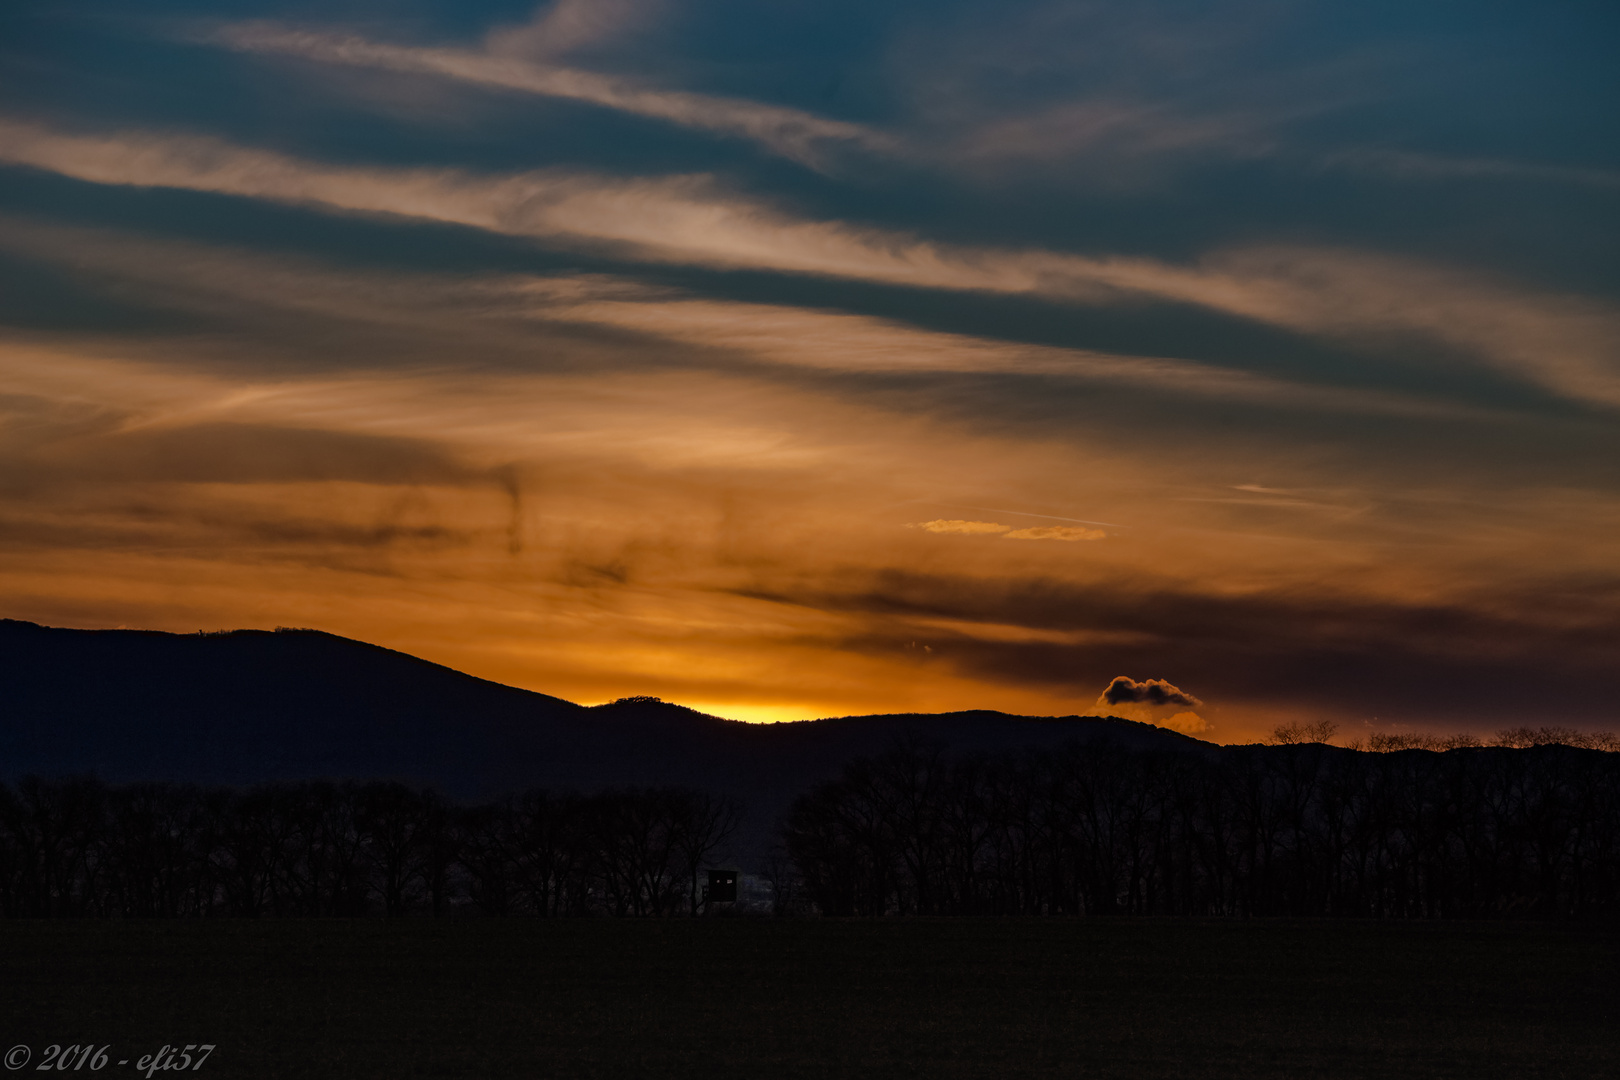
{"x": 819, "y": 998}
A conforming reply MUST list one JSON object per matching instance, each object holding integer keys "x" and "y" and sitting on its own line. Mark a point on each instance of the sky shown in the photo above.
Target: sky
{"x": 806, "y": 359}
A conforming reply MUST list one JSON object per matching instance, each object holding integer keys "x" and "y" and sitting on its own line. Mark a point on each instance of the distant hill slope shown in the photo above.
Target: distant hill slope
{"x": 253, "y": 705}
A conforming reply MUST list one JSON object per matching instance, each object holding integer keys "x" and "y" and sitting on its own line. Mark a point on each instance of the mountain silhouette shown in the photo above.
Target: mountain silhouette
{"x": 247, "y": 706}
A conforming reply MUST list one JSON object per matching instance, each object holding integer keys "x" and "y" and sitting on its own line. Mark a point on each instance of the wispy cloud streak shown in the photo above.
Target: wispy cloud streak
{"x": 833, "y": 341}
{"x": 1411, "y": 165}
{"x": 1118, "y": 129}
{"x": 508, "y": 316}
{"x": 562, "y": 26}
{"x": 1567, "y": 345}
{"x": 791, "y": 133}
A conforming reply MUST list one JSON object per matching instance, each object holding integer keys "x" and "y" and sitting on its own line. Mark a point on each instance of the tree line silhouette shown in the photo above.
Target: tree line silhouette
{"x": 77, "y": 847}
{"x": 1302, "y": 830}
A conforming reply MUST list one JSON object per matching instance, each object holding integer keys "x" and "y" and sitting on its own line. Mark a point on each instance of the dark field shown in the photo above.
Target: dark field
{"x": 817, "y": 998}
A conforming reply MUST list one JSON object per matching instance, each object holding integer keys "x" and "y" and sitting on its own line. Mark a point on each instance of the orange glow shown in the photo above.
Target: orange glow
{"x": 757, "y": 545}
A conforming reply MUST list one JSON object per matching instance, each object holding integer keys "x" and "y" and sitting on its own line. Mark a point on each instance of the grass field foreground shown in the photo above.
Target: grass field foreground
{"x": 819, "y": 998}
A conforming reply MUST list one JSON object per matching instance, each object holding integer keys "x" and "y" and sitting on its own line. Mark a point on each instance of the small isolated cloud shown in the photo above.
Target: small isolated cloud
{"x": 968, "y": 527}
{"x": 1151, "y": 702}
{"x": 1055, "y": 532}
{"x": 1125, "y": 690}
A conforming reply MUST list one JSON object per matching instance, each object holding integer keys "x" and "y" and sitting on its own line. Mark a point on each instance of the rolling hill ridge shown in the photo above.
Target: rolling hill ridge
{"x": 247, "y": 706}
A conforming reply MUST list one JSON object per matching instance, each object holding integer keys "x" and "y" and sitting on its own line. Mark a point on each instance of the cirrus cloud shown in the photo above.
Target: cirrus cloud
{"x": 791, "y": 133}
{"x": 969, "y": 528}
{"x": 1007, "y": 532}
{"x": 1068, "y": 533}
{"x": 1565, "y": 344}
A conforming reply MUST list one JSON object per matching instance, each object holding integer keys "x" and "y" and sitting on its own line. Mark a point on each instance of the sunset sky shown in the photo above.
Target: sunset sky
{"x": 799, "y": 359}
